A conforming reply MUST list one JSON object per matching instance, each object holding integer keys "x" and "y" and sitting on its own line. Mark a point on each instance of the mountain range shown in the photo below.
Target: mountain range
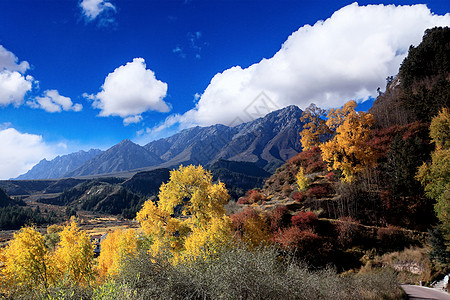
{"x": 268, "y": 142}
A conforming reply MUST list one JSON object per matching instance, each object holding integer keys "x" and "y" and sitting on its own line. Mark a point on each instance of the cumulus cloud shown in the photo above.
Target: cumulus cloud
{"x": 13, "y": 83}
{"x": 53, "y": 102}
{"x": 95, "y": 8}
{"x": 348, "y": 56}
{"x": 8, "y": 61}
{"x": 129, "y": 91}
{"x": 20, "y": 152}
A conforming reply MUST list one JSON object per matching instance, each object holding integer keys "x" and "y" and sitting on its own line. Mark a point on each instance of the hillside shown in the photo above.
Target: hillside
{"x": 370, "y": 220}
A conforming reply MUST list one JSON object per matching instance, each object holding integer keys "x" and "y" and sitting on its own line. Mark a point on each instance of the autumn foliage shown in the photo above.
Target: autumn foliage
{"x": 28, "y": 263}
{"x": 189, "y": 219}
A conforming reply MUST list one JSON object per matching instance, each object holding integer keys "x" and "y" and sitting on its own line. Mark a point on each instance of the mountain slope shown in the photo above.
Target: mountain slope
{"x": 272, "y": 139}
{"x": 59, "y": 166}
{"x": 268, "y": 140}
{"x": 124, "y": 156}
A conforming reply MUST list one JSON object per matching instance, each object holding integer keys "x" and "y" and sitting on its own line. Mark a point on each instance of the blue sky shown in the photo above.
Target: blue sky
{"x": 88, "y": 74}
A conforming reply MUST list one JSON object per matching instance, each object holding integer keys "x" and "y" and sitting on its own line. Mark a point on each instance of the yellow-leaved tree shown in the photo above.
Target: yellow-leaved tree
{"x": 314, "y": 128}
{"x": 302, "y": 180}
{"x": 74, "y": 255}
{"x": 117, "y": 245}
{"x": 187, "y": 217}
{"x": 349, "y": 151}
{"x": 25, "y": 263}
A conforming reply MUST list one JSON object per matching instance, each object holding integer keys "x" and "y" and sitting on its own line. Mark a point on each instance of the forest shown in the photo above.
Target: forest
{"x": 365, "y": 206}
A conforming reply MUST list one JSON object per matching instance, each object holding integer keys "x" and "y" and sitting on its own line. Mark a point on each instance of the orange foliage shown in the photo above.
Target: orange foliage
{"x": 251, "y": 227}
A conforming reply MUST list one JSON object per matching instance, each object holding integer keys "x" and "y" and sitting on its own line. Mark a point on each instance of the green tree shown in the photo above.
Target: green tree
{"x": 436, "y": 176}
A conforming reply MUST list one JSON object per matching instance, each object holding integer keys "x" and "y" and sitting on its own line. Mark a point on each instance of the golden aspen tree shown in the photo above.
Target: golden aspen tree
{"x": 348, "y": 151}
{"x": 188, "y": 204}
{"x": 337, "y": 116}
{"x": 206, "y": 241}
{"x": 117, "y": 245}
{"x": 314, "y": 126}
{"x": 74, "y": 255}
{"x": 25, "y": 262}
{"x": 302, "y": 181}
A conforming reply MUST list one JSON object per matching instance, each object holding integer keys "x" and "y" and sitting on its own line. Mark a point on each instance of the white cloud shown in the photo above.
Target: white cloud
{"x": 20, "y": 151}
{"x": 8, "y": 61}
{"x": 13, "y": 87}
{"x": 13, "y": 84}
{"x": 132, "y": 120}
{"x": 129, "y": 91}
{"x": 93, "y": 8}
{"x": 52, "y": 102}
{"x": 347, "y": 56}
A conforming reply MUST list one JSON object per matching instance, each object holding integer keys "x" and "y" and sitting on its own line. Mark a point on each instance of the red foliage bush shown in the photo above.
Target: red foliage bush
{"x": 252, "y": 196}
{"x": 318, "y": 191}
{"x": 316, "y": 166}
{"x": 239, "y": 219}
{"x": 279, "y": 218}
{"x": 304, "y": 220}
{"x": 306, "y": 158}
{"x": 295, "y": 238}
{"x": 243, "y": 200}
{"x": 298, "y": 196}
{"x": 256, "y": 196}
{"x": 330, "y": 176}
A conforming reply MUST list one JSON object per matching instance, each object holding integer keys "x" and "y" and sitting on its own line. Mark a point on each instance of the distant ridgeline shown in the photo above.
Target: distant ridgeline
{"x": 268, "y": 142}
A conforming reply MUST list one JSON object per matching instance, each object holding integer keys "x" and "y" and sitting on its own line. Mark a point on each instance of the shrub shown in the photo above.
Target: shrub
{"x": 304, "y": 242}
{"x": 251, "y": 227}
{"x": 317, "y": 191}
{"x": 252, "y": 196}
{"x": 242, "y": 274}
{"x": 347, "y": 231}
{"x": 392, "y": 238}
{"x": 330, "y": 176}
{"x": 279, "y": 218}
{"x": 316, "y": 166}
{"x": 286, "y": 190}
{"x": 298, "y": 196}
{"x": 243, "y": 200}
{"x": 304, "y": 220}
